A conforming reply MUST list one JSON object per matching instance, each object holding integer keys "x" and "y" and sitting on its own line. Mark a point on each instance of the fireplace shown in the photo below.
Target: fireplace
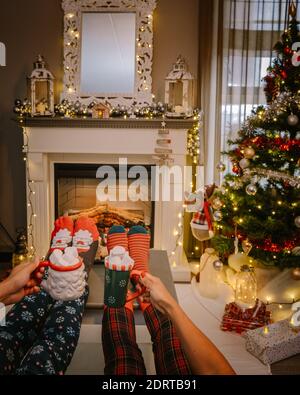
{"x": 76, "y": 194}
{"x": 69, "y": 151}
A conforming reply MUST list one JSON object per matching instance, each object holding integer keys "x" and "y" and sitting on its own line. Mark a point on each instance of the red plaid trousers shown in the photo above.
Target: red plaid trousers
{"x": 121, "y": 353}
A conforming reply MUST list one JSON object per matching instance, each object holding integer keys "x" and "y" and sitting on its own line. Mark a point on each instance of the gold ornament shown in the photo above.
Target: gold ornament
{"x": 296, "y": 274}
{"x": 249, "y": 153}
{"x": 247, "y": 246}
{"x": 217, "y": 203}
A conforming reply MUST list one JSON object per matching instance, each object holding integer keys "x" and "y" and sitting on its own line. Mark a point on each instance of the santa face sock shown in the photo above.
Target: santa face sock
{"x": 85, "y": 233}
{"x": 117, "y": 237}
{"x": 85, "y": 239}
{"x": 61, "y": 236}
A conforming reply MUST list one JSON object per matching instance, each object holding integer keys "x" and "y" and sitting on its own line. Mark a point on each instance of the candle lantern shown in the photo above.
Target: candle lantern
{"x": 41, "y": 89}
{"x": 246, "y": 287}
{"x": 179, "y": 89}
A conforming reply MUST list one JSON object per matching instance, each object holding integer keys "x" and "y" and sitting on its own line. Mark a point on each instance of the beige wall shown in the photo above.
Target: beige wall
{"x": 30, "y": 27}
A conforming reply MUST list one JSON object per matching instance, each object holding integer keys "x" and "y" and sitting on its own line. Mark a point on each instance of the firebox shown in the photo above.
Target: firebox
{"x": 76, "y": 194}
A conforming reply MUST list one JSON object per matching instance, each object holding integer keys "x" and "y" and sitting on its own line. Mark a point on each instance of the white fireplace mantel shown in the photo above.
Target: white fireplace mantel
{"x": 52, "y": 140}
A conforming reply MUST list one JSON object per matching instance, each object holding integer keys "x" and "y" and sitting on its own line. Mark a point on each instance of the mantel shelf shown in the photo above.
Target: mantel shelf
{"x": 115, "y": 123}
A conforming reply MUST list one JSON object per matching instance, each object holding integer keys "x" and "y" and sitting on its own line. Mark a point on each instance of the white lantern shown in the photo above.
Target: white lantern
{"x": 179, "y": 88}
{"x": 41, "y": 89}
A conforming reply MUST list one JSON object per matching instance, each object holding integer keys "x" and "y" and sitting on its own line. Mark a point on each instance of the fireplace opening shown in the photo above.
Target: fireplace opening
{"x": 76, "y": 194}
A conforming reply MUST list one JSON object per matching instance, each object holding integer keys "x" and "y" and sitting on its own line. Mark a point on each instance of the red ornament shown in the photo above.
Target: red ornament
{"x": 236, "y": 169}
{"x": 284, "y": 147}
{"x": 288, "y": 51}
{"x": 283, "y": 74}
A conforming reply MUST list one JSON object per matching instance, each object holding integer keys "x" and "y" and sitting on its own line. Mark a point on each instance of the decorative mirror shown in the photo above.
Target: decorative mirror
{"x": 108, "y": 51}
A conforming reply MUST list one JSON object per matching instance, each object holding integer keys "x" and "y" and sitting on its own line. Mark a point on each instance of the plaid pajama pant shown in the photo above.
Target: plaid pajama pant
{"x": 121, "y": 352}
{"x": 40, "y": 335}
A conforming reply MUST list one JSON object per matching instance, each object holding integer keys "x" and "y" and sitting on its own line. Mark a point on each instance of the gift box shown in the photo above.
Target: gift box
{"x": 274, "y": 342}
{"x": 240, "y": 320}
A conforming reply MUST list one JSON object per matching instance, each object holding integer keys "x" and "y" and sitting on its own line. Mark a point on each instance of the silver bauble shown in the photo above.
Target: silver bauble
{"x": 220, "y": 166}
{"x": 218, "y": 265}
{"x": 249, "y": 153}
{"x": 251, "y": 189}
{"x": 292, "y": 120}
{"x": 218, "y": 216}
{"x": 297, "y": 222}
{"x": 244, "y": 163}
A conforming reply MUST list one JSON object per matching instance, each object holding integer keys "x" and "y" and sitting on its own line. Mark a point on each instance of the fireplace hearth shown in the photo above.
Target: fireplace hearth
{"x": 75, "y": 194}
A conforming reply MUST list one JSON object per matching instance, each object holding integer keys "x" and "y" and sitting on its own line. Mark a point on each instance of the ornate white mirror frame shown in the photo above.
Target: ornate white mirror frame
{"x": 73, "y": 10}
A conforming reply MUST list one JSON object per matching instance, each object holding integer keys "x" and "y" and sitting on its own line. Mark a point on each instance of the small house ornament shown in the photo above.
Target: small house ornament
{"x": 101, "y": 111}
{"x": 179, "y": 89}
{"x": 41, "y": 89}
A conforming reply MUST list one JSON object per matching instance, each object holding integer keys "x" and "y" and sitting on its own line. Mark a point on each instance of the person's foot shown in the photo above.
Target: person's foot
{"x": 139, "y": 245}
{"x": 85, "y": 234}
{"x": 86, "y": 240}
{"x": 117, "y": 236}
{"x": 61, "y": 236}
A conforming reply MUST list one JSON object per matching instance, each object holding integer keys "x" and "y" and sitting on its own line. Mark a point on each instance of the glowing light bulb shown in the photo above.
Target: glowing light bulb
{"x": 266, "y": 331}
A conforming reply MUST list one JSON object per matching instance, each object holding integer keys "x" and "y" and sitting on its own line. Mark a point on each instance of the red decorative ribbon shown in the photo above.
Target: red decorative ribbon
{"x": 207, "y": 214}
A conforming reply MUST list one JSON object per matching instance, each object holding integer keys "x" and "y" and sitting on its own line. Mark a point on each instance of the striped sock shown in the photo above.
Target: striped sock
{"x": 117, "y": 237}
{"x": 139, "y": 244}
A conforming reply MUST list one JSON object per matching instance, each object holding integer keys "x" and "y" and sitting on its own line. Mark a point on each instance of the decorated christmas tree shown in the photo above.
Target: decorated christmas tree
{"x": 259, "y": 201}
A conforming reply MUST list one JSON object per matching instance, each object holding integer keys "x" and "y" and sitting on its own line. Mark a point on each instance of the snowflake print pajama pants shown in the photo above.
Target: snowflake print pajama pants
{"x": 40, "y": 335}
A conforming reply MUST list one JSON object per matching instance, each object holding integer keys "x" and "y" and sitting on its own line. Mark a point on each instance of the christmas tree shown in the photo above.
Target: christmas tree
{"x": 259, "y": 201}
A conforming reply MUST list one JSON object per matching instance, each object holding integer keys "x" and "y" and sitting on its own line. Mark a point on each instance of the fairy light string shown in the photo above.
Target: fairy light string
{"x": 193, "y": 150}
{"x": 31, "y": 215}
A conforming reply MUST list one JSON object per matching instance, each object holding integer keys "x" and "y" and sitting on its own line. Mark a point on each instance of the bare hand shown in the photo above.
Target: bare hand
{"x": 157, "y": 293}
{"x": 22, "y": 281}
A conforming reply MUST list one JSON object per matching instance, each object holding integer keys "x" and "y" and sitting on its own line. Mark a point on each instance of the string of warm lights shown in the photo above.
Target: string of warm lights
{"x": 281, "y": 304}
{"x": 178, "y": 234}
{"x": 30, "y": 194}
{"x": 193, "y": 150}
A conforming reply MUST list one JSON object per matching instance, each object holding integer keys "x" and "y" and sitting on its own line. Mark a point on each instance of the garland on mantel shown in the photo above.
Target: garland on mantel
{"x": 69, "y": 109}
